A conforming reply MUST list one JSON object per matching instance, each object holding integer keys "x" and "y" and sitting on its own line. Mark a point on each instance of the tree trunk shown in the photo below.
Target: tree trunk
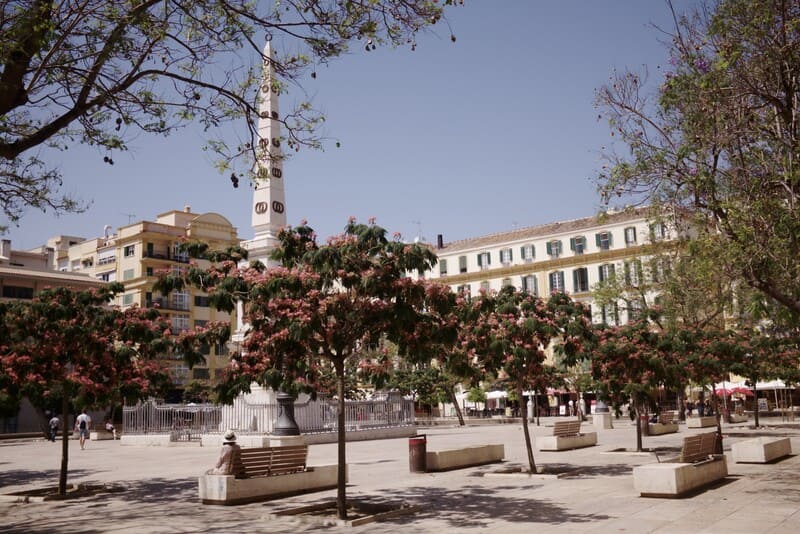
{"x": 62, "y": 476}
{"x": 536, "y": 408}
{"x": 524, "y": 405}
{"x": 341, "y": 498}
{"x": 715, "y": 403}
{"x": 638, "y": 427}
{"x": 755, "y": 401}
{"x": 458, "y": 408}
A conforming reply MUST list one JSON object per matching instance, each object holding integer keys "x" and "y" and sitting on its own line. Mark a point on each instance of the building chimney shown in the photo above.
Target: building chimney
{"x": 51, "y": 257}
{"x": 439, "y": 241}
{"x": 5, "y": 249}
{"x": 187, "y": 208}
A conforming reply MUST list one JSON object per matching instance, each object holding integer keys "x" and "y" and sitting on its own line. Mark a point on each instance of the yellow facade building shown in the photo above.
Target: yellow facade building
{"x": 136, "y": 254}
{"x": 569, "y": 256}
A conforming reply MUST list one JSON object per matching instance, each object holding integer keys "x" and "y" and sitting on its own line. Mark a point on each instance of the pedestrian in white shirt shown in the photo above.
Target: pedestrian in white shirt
{"x": 82, "y": 425}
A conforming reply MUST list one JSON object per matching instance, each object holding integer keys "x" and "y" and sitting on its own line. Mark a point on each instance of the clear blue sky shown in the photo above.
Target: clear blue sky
{"x": 462, "y": 139}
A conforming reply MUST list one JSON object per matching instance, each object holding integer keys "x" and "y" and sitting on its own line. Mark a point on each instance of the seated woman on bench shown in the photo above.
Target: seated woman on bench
{"x": 224, "y": 464}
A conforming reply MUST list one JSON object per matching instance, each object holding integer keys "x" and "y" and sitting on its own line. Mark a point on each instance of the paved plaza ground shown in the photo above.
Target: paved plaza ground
{"x": 161, "y": 495}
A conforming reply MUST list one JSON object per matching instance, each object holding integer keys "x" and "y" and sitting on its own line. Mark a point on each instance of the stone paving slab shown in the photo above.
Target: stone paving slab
{"x": 161, "y": 489}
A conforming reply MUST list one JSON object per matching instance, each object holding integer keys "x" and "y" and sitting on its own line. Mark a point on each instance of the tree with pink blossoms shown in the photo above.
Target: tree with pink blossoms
{"x": 71, "y": 347}
{"x": 766, "y": 356}
{"x": 515, "y": 330}
{"x": 630, "y": 363}
{"x": 325, "y": 306}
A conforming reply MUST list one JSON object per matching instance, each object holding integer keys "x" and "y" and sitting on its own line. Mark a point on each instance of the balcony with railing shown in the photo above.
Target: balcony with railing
{"x": 165, "y": 254}
{"x": 168, "y": 304}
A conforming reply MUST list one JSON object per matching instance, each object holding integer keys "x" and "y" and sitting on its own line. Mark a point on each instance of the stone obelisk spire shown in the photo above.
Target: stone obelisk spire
{"x": 269, "y": 199}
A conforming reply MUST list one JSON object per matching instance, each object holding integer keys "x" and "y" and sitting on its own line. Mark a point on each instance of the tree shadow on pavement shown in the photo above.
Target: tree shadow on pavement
{"x": 479, "y": 506}
{"x": 155, "y": 490}
{"x": 607, "y": 470}
{"x": 9, "y": 479}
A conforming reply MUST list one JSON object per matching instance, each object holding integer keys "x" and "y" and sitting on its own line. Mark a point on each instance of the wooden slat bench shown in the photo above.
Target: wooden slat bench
{"x": 566, "y": 428}
{"x": 695, "y": 467}
{"x": 566, "y": 435}
{"x": 269, "y": 461}
{"x": 697, "y": 448}
{"x": 738, "y": 416}
{"x": 667, "y": 417}
{"x": 666, "y": 424}
{"x": 263, "y": 473}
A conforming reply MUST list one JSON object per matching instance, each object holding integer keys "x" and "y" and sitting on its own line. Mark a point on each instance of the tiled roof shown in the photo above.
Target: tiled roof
{"x": 548, "y": 229}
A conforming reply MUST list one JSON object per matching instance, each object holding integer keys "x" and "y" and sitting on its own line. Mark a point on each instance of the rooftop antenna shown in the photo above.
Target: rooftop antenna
{"x": 514, "y": 224}
{"x": 130, "y": 216}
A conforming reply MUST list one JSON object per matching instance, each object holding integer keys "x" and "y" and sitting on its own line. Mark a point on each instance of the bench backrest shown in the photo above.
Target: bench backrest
{"x": 666, "y": 417}
{"x": 269, "y": 461}
{"x": 698, "y": 448}
{"x": 567, "y": 428}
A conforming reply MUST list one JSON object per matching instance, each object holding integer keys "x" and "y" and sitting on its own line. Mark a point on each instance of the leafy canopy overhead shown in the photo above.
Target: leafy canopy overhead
{"x": 718, "y": 144}
{"x": 101, "y": 72}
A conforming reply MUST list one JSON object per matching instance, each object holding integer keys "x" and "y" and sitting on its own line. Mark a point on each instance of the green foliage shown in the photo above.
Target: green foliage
{"x": 510, "y": 332}
{"x": 101, "y": 73}
{"x": 69, "y": 346}
{"x": 633, "y": 361}
{"x": 428, "y": 384}
{"x": 716, "y": 145}
{"x": 476, "y": 394}
{"x": 198, "y": 391}
{"x": 311, "y": 318}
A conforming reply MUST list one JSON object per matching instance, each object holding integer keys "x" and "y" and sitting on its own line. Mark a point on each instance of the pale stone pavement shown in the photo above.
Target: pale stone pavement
{"x": 161, "y": 488}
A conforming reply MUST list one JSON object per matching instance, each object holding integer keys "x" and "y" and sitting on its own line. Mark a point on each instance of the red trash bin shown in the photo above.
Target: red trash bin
{"x": 416, "y": 454}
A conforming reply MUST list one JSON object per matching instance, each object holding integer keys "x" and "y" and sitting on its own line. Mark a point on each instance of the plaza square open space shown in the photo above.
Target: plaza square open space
{"x": 160, "y": 488}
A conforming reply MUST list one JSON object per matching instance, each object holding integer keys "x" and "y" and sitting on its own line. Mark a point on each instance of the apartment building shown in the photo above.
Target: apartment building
{"x": 23, "y": 274}
{"x": 136, "y": 254}
{"x": 570, "y": 256}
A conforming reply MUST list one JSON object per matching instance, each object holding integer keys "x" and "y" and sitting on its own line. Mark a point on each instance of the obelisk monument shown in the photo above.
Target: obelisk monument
{"x": 269, "y": 199}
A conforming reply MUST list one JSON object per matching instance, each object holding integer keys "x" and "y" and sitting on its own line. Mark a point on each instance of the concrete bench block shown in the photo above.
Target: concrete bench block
{"x": 463, "y": 457}
{"x": 100, "y": 434}
{"x": 675, "y": 479}
{"x": 226, "y": 489}
{"x": 150, "y": 440}
{"x": 738, "y": 418}
{"x": 701, "y": 422}
{"x": 656, "y": 429}
{"x": 761, "y": 450}
{"x": 564, "y": 443}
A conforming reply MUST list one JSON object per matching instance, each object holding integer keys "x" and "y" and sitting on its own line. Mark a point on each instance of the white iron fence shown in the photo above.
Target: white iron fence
{"x": 187, "y": 422}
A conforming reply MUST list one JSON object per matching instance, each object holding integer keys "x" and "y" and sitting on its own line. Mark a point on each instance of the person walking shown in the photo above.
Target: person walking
{"x": 82, "y": 424}
{"x": 55, "y": 422}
